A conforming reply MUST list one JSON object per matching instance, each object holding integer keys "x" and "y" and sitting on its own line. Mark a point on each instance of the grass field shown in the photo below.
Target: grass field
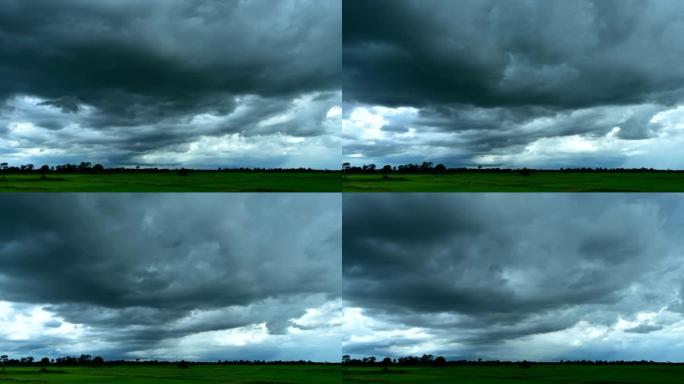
{"x": 172, "y": 182}
{"x": 557, "y": 374}
{"x": 290, "y": 374}
{"x": 514, "y": 182}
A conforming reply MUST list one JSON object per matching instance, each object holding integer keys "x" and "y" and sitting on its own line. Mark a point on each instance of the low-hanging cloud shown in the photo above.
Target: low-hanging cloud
{"x": 134, "y": 274}
{"x": 503, "y": 276}
{"x": 121, "y": 80}
{"x": 491, "y": 79}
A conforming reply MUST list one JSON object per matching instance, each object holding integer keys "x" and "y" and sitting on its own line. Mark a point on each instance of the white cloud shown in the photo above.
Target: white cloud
{"x": 25, "y": 322}
{"x": 645, "y": 135}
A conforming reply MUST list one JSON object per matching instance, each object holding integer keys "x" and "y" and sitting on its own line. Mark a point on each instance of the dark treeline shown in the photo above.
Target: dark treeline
{"x": 97, "y": 361}
{"x": 429, "y": 168}
{"x": 439, "y": 361}
{"x": 89, "y": 168}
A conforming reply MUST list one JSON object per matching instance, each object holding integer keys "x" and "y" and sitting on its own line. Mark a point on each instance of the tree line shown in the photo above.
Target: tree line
{"x": 425, "y": 360}
{"x": 98, "y": 361}
{"x": 84, "y": 359}
{"x": 439, "y": 361}
{"x": 86, "y": 167}
{"x": 428, "y": 167}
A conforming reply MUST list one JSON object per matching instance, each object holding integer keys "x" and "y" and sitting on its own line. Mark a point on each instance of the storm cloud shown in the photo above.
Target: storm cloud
{"x": 501, "y": 276}
{"x": 171, "y": 276}
{"x": 201, "y": 83}
{"x": 513, "y": 83}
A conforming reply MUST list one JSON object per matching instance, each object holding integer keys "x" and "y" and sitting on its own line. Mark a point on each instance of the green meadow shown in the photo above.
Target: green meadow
{"x": 547, "y": 181}
{"x": 537, "y": 374}
{"x": 204, "y": 181}
{"x": 224, "y": 374}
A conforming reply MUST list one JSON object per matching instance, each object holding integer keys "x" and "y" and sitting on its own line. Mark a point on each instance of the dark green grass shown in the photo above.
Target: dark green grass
{"x": 557, "y": 374}
{"x": 172, "y": 182}
{"x": 515, "y": 182}
{"x": 305, "y": 374}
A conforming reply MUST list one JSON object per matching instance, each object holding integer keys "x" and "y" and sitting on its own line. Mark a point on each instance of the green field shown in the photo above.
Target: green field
{"x": 515, "y": 182}
{"x": 290, "y": 374}
{"x": 557, "y": 374}
{"x": 172, "y": 182}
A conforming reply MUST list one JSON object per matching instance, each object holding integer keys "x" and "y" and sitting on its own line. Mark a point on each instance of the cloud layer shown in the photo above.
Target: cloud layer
{"x": 171, "y": 276}
{"x": 201, "y": 83}
{"x": 544, "y": 277}
{"x": 507, "y": 83}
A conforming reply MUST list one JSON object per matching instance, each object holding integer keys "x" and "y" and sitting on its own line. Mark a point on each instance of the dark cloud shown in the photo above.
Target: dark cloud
{"x": 153, "y": 66}
{"x": 478, "y": 272}
{"x": 142, "y": 270}
{"x": 498, "y": 76}
{"x": 170, "y": 54}
{"x": 494, "y": 53}
{"x": 645, "y": 328}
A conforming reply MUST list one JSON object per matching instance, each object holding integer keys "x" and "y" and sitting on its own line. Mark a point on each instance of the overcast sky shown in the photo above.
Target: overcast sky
{"x": 514, "y": 83}
{"x": 200, "y": 83}
{"x": 514, "y": 276}
{"x": 171, "y": 276}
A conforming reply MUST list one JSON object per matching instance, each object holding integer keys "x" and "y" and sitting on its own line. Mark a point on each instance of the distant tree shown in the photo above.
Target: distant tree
{"x": 98, "y": 360}
{"x": 426, "y": 166}
{"x": 346, "y": 359}
{"x": 98, "y": 168}
{"x": 183, "y": 364}
{"x": 44, "y": 169}
{"x": 85, "y": 166}
{"x": 440, "y": 168}
{"x": 84, "y": 359}
{"x": 426, "y": 359}
{"x": 440, "y": 361}
{"x": 386, "y": 363}
{"x": 346, "y": 167}
{"x": 183, "y": 172}
{"x": 45, "y": 361}
{"x": 387, "y": 169}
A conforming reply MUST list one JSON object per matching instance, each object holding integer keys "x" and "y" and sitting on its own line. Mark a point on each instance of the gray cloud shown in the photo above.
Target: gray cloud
{"x": 494, "y": 53}
{"x": 143, "y": 270}
{"x": 480, "y": 273}
{"x": 144, "y": 71}
{"x": 484, "y": 75}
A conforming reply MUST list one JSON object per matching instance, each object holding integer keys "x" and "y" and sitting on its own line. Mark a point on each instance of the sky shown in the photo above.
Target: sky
{"x": 171, "y": 276}
{"x": 543, "y": 277}
{"x": 168, "y": 83}
{"x": 542, "y": 84}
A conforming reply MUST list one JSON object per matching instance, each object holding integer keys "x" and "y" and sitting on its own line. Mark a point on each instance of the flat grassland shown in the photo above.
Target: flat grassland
{"x": 559, "y": 374}
{"x": 547, "y": 181}
{"x": 276, "y": 374}
{"x": 172, "y": 182}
